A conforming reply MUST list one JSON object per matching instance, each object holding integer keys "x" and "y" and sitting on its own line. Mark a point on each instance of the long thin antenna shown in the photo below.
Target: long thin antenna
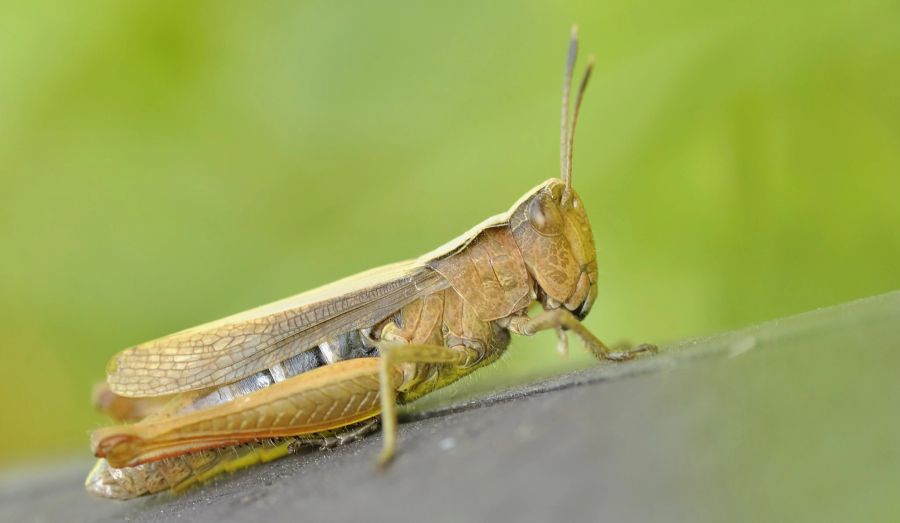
{"x": 564, "y": 170}
{"x": 570, "y": 146}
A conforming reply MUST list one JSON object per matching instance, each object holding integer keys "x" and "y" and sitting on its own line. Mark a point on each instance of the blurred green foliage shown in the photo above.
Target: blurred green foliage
{"x": 168, "y": 163}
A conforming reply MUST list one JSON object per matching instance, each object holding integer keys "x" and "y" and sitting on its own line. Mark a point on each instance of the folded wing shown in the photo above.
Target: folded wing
{"x": 229, "y": 349}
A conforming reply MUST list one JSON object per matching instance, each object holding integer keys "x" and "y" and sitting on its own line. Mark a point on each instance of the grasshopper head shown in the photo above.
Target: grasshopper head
{"x": 550, "y": 225}
{"x": 552, "y": 231}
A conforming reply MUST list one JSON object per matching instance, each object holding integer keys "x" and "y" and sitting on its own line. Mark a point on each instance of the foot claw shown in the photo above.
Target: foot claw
{"x": 645, "y": 347}
{"x": 384, "y": 459}
{"x": 630, "y": 353}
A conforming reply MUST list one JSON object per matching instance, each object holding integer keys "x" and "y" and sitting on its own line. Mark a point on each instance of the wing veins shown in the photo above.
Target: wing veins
{"x": 137, "y": 371}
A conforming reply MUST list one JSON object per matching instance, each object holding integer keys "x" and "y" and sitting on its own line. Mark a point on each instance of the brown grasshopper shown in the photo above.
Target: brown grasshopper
{"x": 321, "y": 367}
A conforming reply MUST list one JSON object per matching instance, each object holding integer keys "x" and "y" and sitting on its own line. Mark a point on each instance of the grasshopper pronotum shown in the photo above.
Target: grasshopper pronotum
{"x": 323, "y": 367}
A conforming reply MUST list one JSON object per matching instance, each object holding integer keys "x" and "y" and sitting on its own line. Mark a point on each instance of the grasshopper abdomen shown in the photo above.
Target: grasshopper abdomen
{"x": 345, "y": 346}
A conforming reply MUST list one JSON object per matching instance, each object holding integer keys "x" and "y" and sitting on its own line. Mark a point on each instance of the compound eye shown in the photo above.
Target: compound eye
{"x": 544, "y": 216}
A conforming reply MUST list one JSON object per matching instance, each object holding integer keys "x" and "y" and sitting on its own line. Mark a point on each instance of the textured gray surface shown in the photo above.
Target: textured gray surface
{"x": 792, "y": 419}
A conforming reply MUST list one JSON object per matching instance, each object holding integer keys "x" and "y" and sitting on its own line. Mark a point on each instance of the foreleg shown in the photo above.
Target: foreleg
{"x": 563, "y": 320}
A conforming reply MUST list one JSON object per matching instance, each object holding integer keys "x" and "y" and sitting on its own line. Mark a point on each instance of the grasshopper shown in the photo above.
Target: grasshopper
{"x": 324, "y": 367}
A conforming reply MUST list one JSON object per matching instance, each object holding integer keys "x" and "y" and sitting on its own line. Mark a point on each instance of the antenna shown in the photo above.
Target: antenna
{"x": 564, "y": 170}
{"x": 571, "y": 144}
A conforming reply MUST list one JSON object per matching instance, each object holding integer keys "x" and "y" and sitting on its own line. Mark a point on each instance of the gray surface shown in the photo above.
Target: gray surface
{"x": 793, "y": 419}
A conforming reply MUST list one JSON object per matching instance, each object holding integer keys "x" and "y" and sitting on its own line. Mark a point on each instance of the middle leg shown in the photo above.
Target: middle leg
{"x": 391, "y": 356}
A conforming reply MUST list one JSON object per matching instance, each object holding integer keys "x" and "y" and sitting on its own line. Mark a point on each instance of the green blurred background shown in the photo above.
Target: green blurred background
{"x": 168, "y": 163}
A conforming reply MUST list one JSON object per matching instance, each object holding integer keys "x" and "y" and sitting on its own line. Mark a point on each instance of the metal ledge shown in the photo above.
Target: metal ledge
{"x": 794, "y": 419}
